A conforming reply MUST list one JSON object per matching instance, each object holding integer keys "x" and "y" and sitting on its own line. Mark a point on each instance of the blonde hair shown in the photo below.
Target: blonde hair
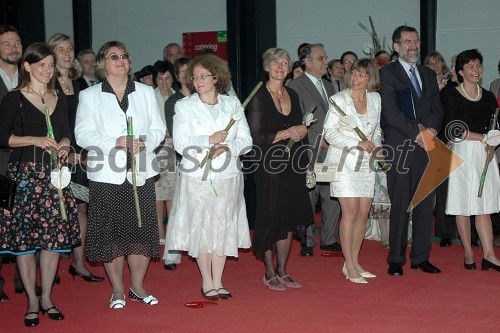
{"x": 76, "y": 69}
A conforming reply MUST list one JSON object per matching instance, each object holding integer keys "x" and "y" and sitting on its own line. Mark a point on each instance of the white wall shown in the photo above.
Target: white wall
{"x": 466, "y": 25}
{"x": 58, "y": 17}
{"x": 335, "y": 24}
{"x": 146, "y": 26}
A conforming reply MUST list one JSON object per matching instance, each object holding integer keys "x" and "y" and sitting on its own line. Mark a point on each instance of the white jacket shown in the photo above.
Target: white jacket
{"x": 339, "y": 132}
{"x": 193, "y": 124}
{"x": 100, "y": 121}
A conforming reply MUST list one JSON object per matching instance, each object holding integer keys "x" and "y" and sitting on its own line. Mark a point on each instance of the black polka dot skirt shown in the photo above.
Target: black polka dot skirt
{"x": 113, "y": 229}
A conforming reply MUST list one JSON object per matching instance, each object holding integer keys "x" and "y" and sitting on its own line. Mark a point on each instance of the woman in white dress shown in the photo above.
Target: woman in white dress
{"x": 362, "y": 105}
{"x": 208, "y": 217}
{"x": 470, "y": 105}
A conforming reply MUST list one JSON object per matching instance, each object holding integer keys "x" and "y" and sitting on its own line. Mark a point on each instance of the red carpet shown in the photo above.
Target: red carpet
{"x": 453, "y": 301}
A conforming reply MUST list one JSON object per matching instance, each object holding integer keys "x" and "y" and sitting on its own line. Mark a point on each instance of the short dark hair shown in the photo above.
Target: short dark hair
{"x": 8, "y": 28}
{"x": 161, "y": 67}
{"x": 346, "y": 53}
{"x": 178, "y": 64}
{"x": 463, "y": 59}
{"x": 396, "y": 35}
{"x": 306, "y": 53}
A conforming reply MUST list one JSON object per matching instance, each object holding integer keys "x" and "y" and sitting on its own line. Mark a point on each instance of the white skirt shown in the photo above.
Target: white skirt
{"x": 464, "y": 182}
{"x": 207, "y": 218}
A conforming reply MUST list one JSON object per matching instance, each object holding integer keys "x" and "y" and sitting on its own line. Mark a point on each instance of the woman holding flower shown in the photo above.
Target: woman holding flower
{"x": 470, "y": 105}
{"x": 275, "y": 117}
{"x": 115, "y": 230}
{"x": 209, "y": 215}
{"x": 35, "y": 221}
{"x": 362, "y": 105}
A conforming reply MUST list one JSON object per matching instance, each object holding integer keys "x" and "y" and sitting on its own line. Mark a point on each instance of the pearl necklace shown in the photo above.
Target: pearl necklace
{"x": 280, "y": 109}
{"x": 467, "y": 95}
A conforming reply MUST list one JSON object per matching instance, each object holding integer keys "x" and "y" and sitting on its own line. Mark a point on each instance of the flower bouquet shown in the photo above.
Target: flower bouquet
{"x": 307, "y": 121}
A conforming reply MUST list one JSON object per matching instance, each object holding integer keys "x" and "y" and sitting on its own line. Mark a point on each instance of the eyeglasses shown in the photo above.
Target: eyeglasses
{"x": 114, "y": 56}
{"x": 349, "y": 61}
{"x": 358, "y": 74}
{"x": 407, "y": 42}
{"x": 201, "y": 77}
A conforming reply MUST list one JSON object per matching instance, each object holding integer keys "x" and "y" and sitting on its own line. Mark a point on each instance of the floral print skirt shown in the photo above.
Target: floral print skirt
{"x": 35, "y": 220}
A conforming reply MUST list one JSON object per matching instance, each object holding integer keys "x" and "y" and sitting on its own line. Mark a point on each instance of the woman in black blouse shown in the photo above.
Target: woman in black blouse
{"x": 35, "y": 221}
{"x": 471, "y": 108}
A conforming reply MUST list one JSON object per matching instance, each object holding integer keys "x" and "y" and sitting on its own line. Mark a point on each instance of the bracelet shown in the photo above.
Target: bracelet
{"x": 485, "y": 138}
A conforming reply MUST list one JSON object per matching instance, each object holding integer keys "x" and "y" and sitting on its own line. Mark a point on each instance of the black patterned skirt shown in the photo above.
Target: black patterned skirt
{"x": 35, "y": 221}
{"x": 113, "y": 229}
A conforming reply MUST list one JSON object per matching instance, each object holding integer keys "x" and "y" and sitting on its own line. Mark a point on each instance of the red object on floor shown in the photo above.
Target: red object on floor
{"x": 456, "y": 300}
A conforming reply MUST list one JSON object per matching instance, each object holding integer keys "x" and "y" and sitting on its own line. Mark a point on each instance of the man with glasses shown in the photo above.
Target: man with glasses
{"x": 313, "y": 89}
{"x": 410, "y": 98}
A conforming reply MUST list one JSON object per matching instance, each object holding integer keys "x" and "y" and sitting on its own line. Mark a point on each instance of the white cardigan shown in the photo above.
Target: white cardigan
{"x": 100, "y": 121}
{"x": 193, "y": 124}
{"x": 339, "y": 132}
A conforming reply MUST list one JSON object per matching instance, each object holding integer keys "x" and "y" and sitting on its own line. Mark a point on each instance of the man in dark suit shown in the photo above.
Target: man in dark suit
{"x": 87, "y": 60}
{"x": 11, "y": 51}
{"x": 410, "y": 98}
{"x": 313, "y": 89}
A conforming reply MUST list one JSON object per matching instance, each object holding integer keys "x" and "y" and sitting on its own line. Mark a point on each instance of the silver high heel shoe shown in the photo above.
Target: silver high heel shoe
{"x": 353, "y": 279}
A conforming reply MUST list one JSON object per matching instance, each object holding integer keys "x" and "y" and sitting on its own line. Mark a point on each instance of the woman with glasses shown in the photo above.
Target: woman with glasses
{"x": 473, "y": 107}
{"x": 115, "y": 231}
{"x": 362, "y": 105}
{"x": 208, "y": 218}
{"x": 68, "y": 70}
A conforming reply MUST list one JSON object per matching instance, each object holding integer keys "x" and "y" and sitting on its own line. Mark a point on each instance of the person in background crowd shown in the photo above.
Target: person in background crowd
{"x": 336, "y": 73}
{"x": 295, "y": 72}
{"x": 172, "y": 52}
{"x": 313, "y": 89}
{"x": 115, "y": 231}
{"x": 435, "y": 61}
{"x": 163, "y": 77}
{"x": 382, "y": 58}
{"x": 146, "y": 76}
{"x": 11, "y": 52}
{"x": 87, "y": 61}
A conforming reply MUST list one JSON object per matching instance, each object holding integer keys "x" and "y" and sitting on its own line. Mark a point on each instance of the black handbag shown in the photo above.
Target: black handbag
{"x": 7, "y": 192}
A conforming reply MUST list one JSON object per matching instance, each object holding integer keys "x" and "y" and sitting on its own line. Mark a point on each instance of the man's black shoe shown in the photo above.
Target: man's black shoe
{"x": 306, "y": 251}
{"x": 335, "y": 247}
{"x": 426, "y": 267}
{"x": 395, "y": 269}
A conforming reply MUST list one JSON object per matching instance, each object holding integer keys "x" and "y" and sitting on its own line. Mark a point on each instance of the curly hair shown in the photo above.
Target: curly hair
{"x": 215, "y": 65}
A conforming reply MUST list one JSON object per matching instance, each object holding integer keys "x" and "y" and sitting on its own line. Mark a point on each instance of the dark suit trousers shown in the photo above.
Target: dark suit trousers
{"x": 402, "y": 186}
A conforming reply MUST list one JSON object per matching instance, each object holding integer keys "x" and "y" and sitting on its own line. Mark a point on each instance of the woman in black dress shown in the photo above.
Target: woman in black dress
{"x": 275, "y": 117}
{"x": 36, "y": 221}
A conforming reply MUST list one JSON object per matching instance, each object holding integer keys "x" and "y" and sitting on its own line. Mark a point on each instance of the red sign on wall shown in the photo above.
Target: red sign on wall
{"x": 193, "y": 42}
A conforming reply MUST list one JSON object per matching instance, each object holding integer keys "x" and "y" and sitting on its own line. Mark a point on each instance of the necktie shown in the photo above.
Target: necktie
{"x": 414, "y": 81}
{"x": 319, "y": 85}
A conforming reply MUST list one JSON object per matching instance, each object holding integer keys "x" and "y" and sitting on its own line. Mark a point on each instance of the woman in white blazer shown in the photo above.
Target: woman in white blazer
{"x": 209, "y": 215}
{"x": 362, "y": 106}
{"x": 101, "y": 129}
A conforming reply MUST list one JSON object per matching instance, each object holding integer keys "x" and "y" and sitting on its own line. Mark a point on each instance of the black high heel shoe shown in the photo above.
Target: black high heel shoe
{"x": 470, "y": 267}
{"x": 33, "y": 321}
{"x": 54, "y": 315}
{"x": 89, "y": 278}
{"x": 486, "y": 265}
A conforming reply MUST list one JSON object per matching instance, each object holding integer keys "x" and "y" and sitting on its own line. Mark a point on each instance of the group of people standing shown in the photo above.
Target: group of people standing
{"x": 119, "y": 136}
